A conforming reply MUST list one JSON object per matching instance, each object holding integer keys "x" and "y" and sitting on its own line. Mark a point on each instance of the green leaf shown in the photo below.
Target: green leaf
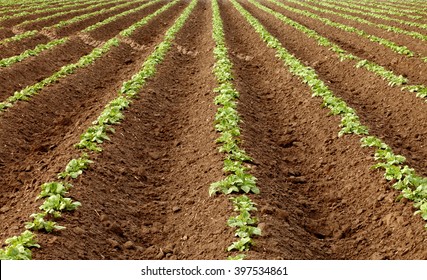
{"x": 39, "y": 223}
{"x": 241, "y": 245}
{"x": 238, "y": 257}
{"x": 75, "y": 167}
{"x": 52, "y": 188}
{"x": 55, "y": 204}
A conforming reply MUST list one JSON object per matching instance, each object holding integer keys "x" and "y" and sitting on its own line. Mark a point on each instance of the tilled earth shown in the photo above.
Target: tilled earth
{"x": 146, "y": 195}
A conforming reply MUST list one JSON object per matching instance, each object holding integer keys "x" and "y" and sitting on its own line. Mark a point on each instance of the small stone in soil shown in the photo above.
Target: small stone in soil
{"x": 129, "y": 245}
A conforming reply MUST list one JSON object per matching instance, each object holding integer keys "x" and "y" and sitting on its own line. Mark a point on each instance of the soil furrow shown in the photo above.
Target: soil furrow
{"x": 151, "y": 181}
{"x": 386, "y": 6}
{"x": 122, "y": 23}
{"x": 18, "y": 9}
{"x": 35, "y": 69}
{"x": 45, "y": 64}
{"x": 15, "y": 48}
{"x": 15, "y": 10}
{"x": 378, "y": 20}
{"x": 411, "y": 67}
{"x": 379, "y": 106}
{"x": 40, "y": 134}
{"x": 319, "y": 199}
{"x": 16, "y": 21}
{"x": 5, "y": 33}
{"x": 70, "y": 29}
{"x": 415, "y": 45}
{"x": 405, "y": 5}
{"x": 362, "y": 9}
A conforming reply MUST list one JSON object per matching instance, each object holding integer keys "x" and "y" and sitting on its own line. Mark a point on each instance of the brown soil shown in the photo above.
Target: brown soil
{"x": 70, "y": 29}
{"x": 408, "y": 5}
{"x": 14, "y": 21}
{"x": 31, "y": 6}
{"x": 18, "y": 47}
{"x": 124, "y": 22}
{"x": 413, "y": 68}
{"x": 378, "y": 105}
{"x": 415, "y": 45}
{"x": 28, "y": 137}
{"x": 35, "y": 69}
{"x": 57, "y": 19}
{"x": 153, "y": 201}
{"x": 5, "y": 33}
{"x": 146, "y": 195}
{"x": 422, "y": 20}
{"x": 311, "y": 203}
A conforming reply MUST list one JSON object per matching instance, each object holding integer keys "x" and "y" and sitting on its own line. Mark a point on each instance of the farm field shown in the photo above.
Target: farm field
{"x": 213, "y": 129}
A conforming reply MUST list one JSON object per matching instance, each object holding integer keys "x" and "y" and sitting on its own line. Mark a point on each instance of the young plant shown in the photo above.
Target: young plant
{"x": 53, "y": 188}
{"x": 387, "y": 43}
{"x": 75, "y": 167}
{"x": 412, "y": 186}
{"x": 19, "y": 247}
{"x": 244, "y": 223}
{"x": 39, "y": 223}
{"x": 227, "y": 124}
{"x": 55, "y": 204}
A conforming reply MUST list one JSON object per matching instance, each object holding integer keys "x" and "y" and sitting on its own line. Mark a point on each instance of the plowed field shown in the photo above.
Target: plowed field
{"x": 146, "y": 194}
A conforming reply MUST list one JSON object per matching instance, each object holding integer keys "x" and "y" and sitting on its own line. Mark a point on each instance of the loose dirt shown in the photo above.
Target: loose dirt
{"x": 146, "y": 195}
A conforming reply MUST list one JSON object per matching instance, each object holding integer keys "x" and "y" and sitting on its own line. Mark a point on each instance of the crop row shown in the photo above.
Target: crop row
{"x": 97, "y": 133}
{"x": 83, "y": 62}
{"x": 64, "y": 23}
{"x": 235, "y": 163}
{"x": 49, "y": 9}
{"x": 389, "y": 28}
{"x": 28, "y": 3}
{"x": 89, "y": 15}
{"x": 28, "y": 53}
{"x": 39, "y": 6}
{"x": 388, "y": 75}
{"x": 376, "y": 10}
{"x": 412, "y": 186}
{"x": 406, "y": 5}
{"x": 387, "y": 7}
{"x": 387, "y": 43}
{"x": 44, "y": 47}
{"x": 19, "y": 37}
{"x": 32, "y": 33}
{"x": 401, "y": 21}
{"x": 118, "y": 16}
{"x": 19, "y": 247}
{"x": 56, "y": 15}
{"x": 29, "y": 91}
